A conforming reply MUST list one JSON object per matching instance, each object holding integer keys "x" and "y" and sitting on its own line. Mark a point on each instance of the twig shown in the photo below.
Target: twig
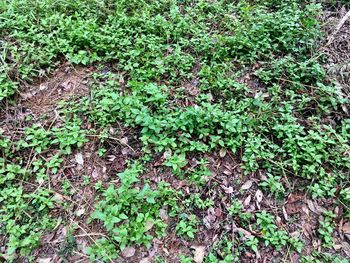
{"x": 81, "y": 235}
{"x": 234, "y": 230}
{"x": 93, "y": 240}
{"x": 338, "y": 27}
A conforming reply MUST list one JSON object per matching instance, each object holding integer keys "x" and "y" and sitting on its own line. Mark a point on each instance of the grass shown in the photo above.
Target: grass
{"x": 208, "y": 94}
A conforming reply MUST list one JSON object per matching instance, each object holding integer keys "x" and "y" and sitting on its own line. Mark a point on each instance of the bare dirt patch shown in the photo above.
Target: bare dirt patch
{"x": 65, "y": 82}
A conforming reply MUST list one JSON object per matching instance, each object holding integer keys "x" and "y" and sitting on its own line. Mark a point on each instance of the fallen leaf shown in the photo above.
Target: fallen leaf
{"x": 258, "y": 197}
{"x": 285, "y": 215}
{"x": 210, "y": 218}
{"x": 145, "y": 260}
{"x": 314, "y": 207}
{"x": 111, "y": 158}
{"x": 305, "y": 209}
{"x": 167, "y": 154}
{"x": 80, "y": 212}
{"x": 47, "y": 238}
{"x": 228, "y": 190}
{"x": 307, "y": 230}
{"x": 66, "y": 85}
{"x": 163, "y": 214}
{"x": 246, "y": 233}
{"x": 198, "y": 253}
{"x": 125, "y": 151}
{"x": 247, "y": 185}
{"x": 227, "y": 172}
{"x": 128, "y": 252}
{"x": 95, "y": 174}
{"x": 59, "y": 197}
{"x": 279, "y": 221}
{"x": 293, "y": 208}
{"x": 43, "y": 86}
{"x": 222, "y": 153}
{"x": 337, "y": 246}
{"x": 124, "y": 141}
{"x": 295, "y": 258}
{"x": 44, "y": 260}
{"x": 84, "y": 246}
{"x": 346, "y": 248}
{"x": 218, "y": 212}
{"x": 149, "y": 224}
{"x": 246, "y": 201}
{"x": 292, "y": 198}
{"x": 346, "y": 228}
{"x": 79, "y": 158}
{"x": 111, "y": 131}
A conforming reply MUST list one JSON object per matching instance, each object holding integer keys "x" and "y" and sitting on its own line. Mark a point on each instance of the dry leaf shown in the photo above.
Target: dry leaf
{"x": 128, "y": 252}
{"x": 307, "y": 230}
{"x": 79, "y": 158}
{"x": 314, "y": 207}
{"x": 124, "y": 141}
{"x": 66, "y": 85}
{"x": 258, "y": 196}
{"x": 125, "y": 151}
{"x": 305, "y": 210}
{"x": 346, "y": 248}
{"x": 279, "y": 221}
{"x": 145, "y": 260}
{"x": 346, "y": 228}
{"x": 210, "y": 218}
{"x": 227, "y": 172}
{"x": 44, "y": 260}
{"x": 167, "y": 154}
{"x": 295, "y": 258}
{"x": 149, "y": 224}
{"x": 222, "y": 153}
{"x": 163, "y": 214}
{"x": 43, "y": 86}
{"x": 80, "y": 212}
{"x": 228, "y": 190}
{"x": 337, "y": 246}
{"x": 198, "y": 253}
{"x": 285, "y": 215}
{"x": 95, "y": 174}
{"x": 292, "y": 198}
{"x": 246, "y": 201}
{"x": 247, "y": 185}
{"x": 246, "y": 233}
{"x": 293, "y": 208}
{"x": 59, "y": 197}
{"x": 111, "y": 158}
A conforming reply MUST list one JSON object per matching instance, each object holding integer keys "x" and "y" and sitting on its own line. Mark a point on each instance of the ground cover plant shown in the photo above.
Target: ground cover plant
{"x": 174, "y": 131}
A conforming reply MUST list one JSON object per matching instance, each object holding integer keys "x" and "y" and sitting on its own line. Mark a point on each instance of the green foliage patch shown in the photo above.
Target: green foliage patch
{"x": 191, "y": 78}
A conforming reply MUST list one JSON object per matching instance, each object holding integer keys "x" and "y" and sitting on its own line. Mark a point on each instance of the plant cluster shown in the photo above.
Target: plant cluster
{"x": 191, "y": 78}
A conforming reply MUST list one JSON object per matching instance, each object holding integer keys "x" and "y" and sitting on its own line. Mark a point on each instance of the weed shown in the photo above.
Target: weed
{"x": 272, "y": 183}
{"x": 184, "y": 259}
{"x": 172, "y": 72}
{"x": 272, "y": 235}
{"x": 187, "y": 226}
{"x": 252, "y": 243}
{"x": 221, "y": 252}
{"x": 67, "y": 248}
{"x": 69, "y": 135}
{"x": 326, "y": 229}
{"x": 129, "y": 213}
{"x": 102, "y": 250}
{"x": 235, "y": 208}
